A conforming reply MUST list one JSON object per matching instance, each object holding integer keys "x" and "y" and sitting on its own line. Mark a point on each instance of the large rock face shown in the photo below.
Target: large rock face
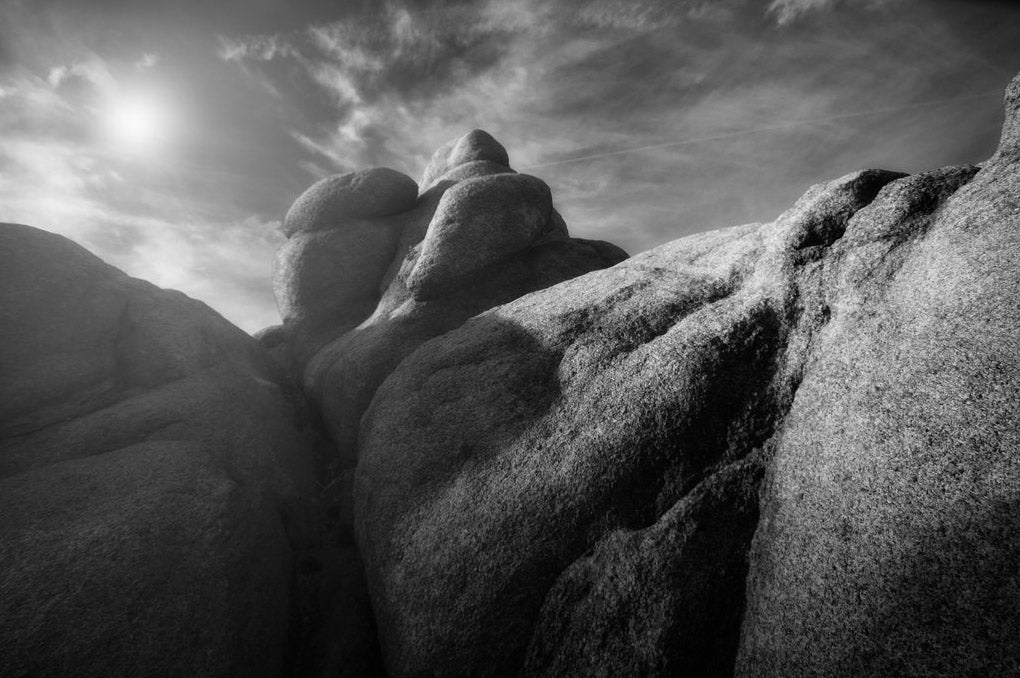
{"x": 153, "y": 477}
{"x": 891, "y": 517}
{"x": 359, "y": 298}
{"x": 783, "y": 449}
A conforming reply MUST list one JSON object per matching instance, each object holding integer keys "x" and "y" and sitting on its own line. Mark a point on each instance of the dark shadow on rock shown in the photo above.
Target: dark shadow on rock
{"x": 347, "y": 373}
{"x": 662, "y": 601}
{"x": 948, "y": 607}
{"x": 335, "y": 633}
{"x": 471, "y": 406}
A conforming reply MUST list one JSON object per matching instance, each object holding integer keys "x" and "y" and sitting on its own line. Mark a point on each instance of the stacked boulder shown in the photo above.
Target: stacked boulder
{"x": 342, "y": 234}
{"x": 373, "y": 270}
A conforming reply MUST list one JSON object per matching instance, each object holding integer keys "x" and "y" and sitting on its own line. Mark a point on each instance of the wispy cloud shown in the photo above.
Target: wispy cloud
{"x": 59, "y": 172}
{"x": 788, "y": 11}
{"x": 148, "y": 60}
{"x": 650, "y": 119}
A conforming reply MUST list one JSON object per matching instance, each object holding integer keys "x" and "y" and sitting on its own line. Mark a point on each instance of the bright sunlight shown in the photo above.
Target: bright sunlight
{"x": 137, "y": 121}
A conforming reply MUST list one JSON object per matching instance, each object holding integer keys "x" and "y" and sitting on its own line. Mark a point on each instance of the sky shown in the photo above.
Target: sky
{"x": 170, "y": 138}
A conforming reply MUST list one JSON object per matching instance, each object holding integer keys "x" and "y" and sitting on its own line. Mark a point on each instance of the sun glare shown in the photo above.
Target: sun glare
{"x": 136, "y": 121}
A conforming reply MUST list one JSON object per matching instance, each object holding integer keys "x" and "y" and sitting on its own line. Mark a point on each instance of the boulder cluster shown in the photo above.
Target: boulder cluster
{"x": 479, "y": 446}
{"x": 363, "y": 282}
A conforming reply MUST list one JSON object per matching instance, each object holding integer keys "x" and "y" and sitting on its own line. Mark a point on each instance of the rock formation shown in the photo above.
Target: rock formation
{"x": 779, "y": 449}
{"x": 359, "y": 298}
{"x": 153, "y": 477}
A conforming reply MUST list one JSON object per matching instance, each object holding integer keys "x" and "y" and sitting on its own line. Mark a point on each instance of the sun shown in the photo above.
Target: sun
{"x": 136, "y": 121}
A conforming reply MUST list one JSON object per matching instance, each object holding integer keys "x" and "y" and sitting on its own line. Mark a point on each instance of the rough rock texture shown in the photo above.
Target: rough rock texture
{"x": 154, "y": 480}
{"x": 343, "y": 233}
{"x": 479, "y": 222}
{"x": 326, "y": 282}
{"x": 660, "y": 601}
{"x": 477, "y": 146}
{"x": 329, "y": 203}
{"x": 566, "y": 484}
{"x": 891, "y": 517}
{"x": 357, "y": 300}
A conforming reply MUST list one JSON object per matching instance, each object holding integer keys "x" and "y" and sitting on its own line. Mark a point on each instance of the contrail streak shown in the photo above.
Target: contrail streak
{"x": 757, "y": 130}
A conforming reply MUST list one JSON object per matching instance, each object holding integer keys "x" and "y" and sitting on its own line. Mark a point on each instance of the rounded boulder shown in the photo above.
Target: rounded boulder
{"x": 477, "y": 145}
{"x": 329, "y": 202}
{"x": 477, "y": 223}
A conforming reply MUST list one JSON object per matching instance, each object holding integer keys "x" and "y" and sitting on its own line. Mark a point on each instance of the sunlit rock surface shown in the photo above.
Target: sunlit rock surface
{"x": 782, "y": 449}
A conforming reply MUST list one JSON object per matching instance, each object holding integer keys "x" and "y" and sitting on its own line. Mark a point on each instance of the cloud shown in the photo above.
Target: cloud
{"x": 223, "y": 263}
{"x": 650, "y": 119}
{"x": 89, "y": 73}
{"x": 380, "y": 75}
{"x": 253, "y": 47}
{"x": 147, "y": 60}
{"x": 403, "y": 82}
{"x": 788, "y": 11}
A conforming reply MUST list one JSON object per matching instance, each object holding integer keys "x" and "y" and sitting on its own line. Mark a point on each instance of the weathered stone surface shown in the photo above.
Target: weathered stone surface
{"x": 660, "y": 601}
{"x": 358, "y": 299}
{"x": 152, "y": 477}
{"x": 327, "y": 282}
{"x": 891, "y": 519}
{"x": 274, "y": 340}
{"x": 470, "y": 170}
{"x": 543, "y": 426}
{"x": 475, "y": 146}
{"x": 144, "y": 560}
{"x": 477, "y": 223}
{"x": 270, "y": 337}
{"x": 330, "y": 202}
{"x": 1009, "y": 144}
{"x": 565, "y": 484}
{"x": 344, "y": 375}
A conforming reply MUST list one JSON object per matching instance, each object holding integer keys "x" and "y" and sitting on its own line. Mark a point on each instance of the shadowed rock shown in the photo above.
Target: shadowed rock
{"x": 327, "y": 282}
{"x": 470, "y": 170}
{"x": 665, "y": 600}
{"x": 153, "y": 481}
{"x": 342, "y": 238}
